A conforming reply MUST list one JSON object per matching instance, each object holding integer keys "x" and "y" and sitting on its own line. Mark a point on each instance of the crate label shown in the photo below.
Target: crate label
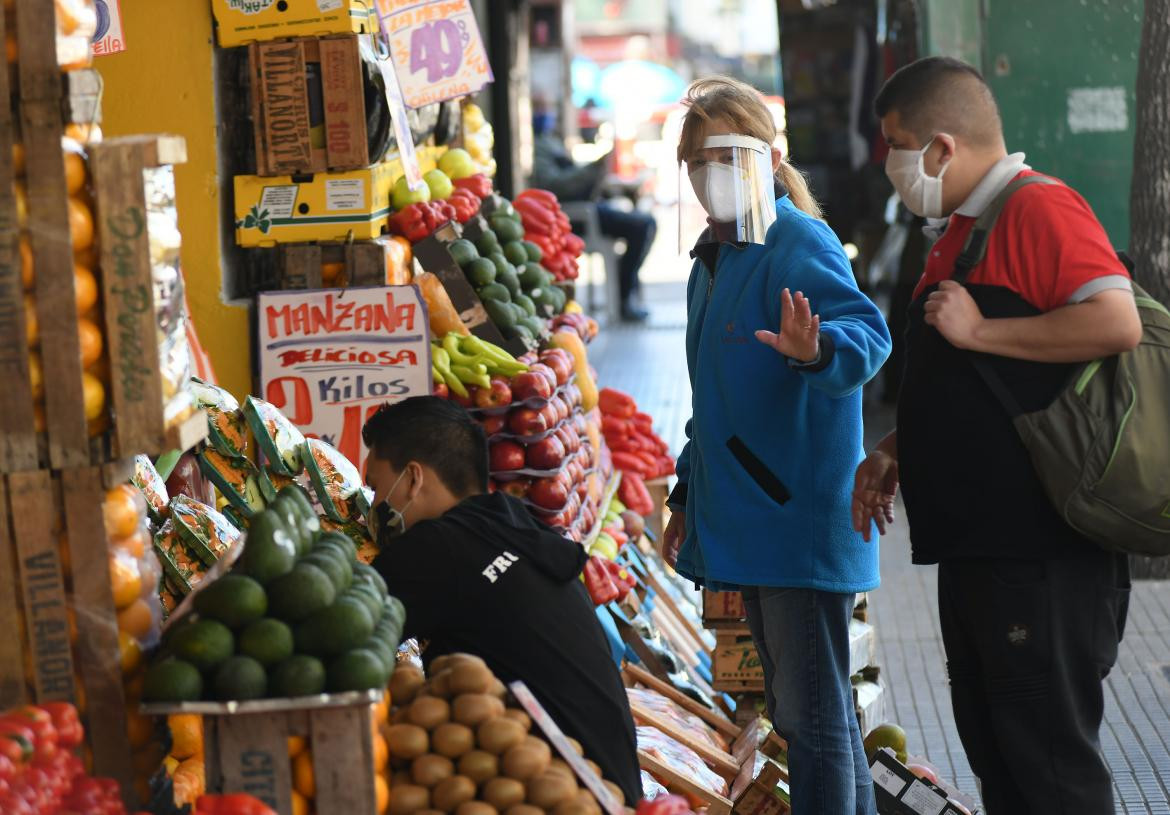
{"x": 132, "y": 298}
{"x": 329, "y": 5}
{"x": 436, "y": 47}
{"x": 249, "y": 6}
{"x": 44, "y": 595}
{"x": 345, "y": 193}
{"x": 329, "y": 358}
{"x": 278, "y": 201}
{"x": 257, "y": 771}
{"x": 923, "y": 800}
{"x": 887, "y": 779}
{"x": 284, "y": 91}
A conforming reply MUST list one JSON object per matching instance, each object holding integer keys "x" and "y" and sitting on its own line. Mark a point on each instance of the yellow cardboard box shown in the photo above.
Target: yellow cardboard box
{"x": 239, "y": 22}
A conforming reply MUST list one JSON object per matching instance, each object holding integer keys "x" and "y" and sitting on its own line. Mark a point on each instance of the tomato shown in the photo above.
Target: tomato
{"x": 67, "y": 723}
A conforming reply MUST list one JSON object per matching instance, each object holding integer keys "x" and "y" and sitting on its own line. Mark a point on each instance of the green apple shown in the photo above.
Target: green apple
{"x": 457, "y": 163}
{"x": 440, "y": 185}
{"x": 404, "y": 196}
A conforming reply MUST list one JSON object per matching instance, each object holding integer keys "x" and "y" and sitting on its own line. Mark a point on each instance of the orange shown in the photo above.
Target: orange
{"x": 91, "y": 343}
{"x": 125, "y": 580}
{"x": 134, "y": 545}
{"x": 332, "y": 273}
{"x": 13, "y": 51}
{"x": 39, "y": 418}
{"x": 123, "y": 510}
{"x": 137, "y": 620}
{"x": 36, "y": 375}
{"x": 130, "y": 653}
{"x": 300, "y": 804}
{"x": 85, "y": 288}
{"x": 303, "y": 780}
{"x": 31, "y": 329}
{"x": 75, "y": 172}
{"x": 95, "y": 427}
{"x": 382, "y": 709}
{"x": 139, "y": 728}
{"x": 94, "y": 393}
{"x": 84, "y": 132}
{"x": 133, "y": 687}
{"x": 296, "y": 746}
{"x": 381, "y": 753}
{"x": 17, "y": 159}
{"x": 190, "y": 781}
{"x": 26, "y": 263}
{"x": 21, "y": 203}
{"x": 80, "y": 225}
{"x": 186, "y": 735}
{"x": 382, "y": 790}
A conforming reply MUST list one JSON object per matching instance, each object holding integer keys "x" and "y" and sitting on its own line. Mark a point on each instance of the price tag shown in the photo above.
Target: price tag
{"x": 436, "y": 49}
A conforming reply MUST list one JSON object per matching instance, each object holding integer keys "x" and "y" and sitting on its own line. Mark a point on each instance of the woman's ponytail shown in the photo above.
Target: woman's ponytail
{"x": 798, "y": 191}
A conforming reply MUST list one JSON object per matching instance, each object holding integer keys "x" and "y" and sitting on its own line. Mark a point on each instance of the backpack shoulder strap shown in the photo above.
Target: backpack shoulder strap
{"x": 976, "y": 246}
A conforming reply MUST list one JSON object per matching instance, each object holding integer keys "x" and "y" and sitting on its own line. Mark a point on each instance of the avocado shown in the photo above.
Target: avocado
{"x": 524, "y": 333}
{"x": 525, "y": 302}
{"x": 462, "y": 252}
{"x": 290, "y": 514}
{"x": 333, "y": 562}
{"x": 532, "y": 276}
{"x": 233, "y": 599}
{"x": 506, "y": 229}
{"x": 369, "y": 597}
{"x": 204, "y": 644}
{"x": 268, "y": 641}
{"x": 515, "y": 252}
{"x": 534, "y": 324}
{"x": 358, "y": 669}
{"x": 269, "y": 551}
{"x": 500, "y": 313}
{"x": 534, "y": 252}
{"x": 510, "y": 281}
{"x": 300, "y": 498}
{"x": 495, "y": 291}
{"x": 502, "y": 264}
{"x": 487, "y": 243}
{"x": 299, "y": 675}
{"x": 480, "y": 272}
{"x": 240, "y": 678}
{"x": 559, "y": 298}
{"x": 301, "y": 592}
{"x": 344, "y": 625}
{"x": 172, "y": 680}
{"x": 343, "y": 542}
{"x": 365, "y": 573}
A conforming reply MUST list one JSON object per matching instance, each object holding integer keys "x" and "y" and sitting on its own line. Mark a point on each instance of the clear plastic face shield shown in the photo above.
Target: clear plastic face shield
{"x": 732, "y": 179}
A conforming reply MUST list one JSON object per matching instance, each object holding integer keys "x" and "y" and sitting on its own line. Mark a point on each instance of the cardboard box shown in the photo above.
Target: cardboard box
{"x": 321, "y": 207}
{"x": 309, "y": 107}
{"x": 721, "y": 608}
{"x": 735, "y": 663}
{"x": 239, "y": 22}
{"x": 901, "y": 792}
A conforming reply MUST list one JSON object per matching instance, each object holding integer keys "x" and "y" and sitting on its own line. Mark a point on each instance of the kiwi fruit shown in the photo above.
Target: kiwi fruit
{"x": 452, "y": 740}
{"x": 583, "y": 803}
{"x": 405, "y": 683}
{"x": 560, "y": 766}
{"x": 428, "y": 712}
{"x": 429, "y": 770}
{"x": 503, "y": 793}
{"x": 406, "y": 741}
{"x": 577, "y": 748}
{"x": 526, "y": 760}
{"x": 473, "y": 709}
{"x": 593, "y": 768}
{"x": 479, "y": 766}
{"x": 476, "y": 808}
{"x": 520, "y": 716}
{"x": 468, "y": 677}
{"x": 499, "y": 735}
{"x": 407, "y": 799}
{"x": 524, "y": 809}
{"x": 440, "y": 684}
{"x": 549, "y": 789}
{"x": 498, "y": 689}
{"x": 450, "y": 793}
{"x": 615, "y": 791}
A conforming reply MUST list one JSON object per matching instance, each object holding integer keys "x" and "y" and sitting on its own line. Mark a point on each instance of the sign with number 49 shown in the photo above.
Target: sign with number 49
{"x": 436, "y": 49}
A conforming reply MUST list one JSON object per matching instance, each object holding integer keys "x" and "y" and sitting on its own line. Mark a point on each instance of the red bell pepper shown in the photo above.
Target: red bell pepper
{"x": 544, "y": 196}
{"x": 598, "y": 583}
{"x": 411, "y": 223}
{"x": 479, "y": 184}
{"x": 622, "y": 577}
{"x": 233, "y": 804}
{"x": 630, "y": 464}
{"x": 68, "y": 723}
{"x": 634, "y": 495}
{"x": 664, "y": 805}
{"x": 615, "y": 425}
{"x": 616, "y": 403}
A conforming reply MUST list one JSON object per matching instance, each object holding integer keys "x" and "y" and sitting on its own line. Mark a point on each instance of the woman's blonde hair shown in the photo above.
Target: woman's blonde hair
{"x": 740, "y": 106}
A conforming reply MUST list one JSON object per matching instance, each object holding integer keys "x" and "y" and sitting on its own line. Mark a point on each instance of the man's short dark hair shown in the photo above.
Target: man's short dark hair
{"x": 942, "y": 95}
{"x": 435, "y": 432}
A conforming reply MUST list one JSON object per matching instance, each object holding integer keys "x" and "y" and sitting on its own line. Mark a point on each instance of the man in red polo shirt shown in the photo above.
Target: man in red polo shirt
{"x": 1031, "y": 611}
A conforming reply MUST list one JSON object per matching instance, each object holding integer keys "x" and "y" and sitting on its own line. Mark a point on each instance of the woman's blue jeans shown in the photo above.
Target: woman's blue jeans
{"x": 802, "y": 636}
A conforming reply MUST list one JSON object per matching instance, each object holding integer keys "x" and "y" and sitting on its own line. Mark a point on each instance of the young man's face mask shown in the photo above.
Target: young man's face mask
{"x": 921, "y": 193}
{"x": 383, "y": 521}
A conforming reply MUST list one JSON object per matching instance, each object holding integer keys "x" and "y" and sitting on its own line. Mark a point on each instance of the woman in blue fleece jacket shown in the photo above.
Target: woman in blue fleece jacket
{"x": 763, "y": 497}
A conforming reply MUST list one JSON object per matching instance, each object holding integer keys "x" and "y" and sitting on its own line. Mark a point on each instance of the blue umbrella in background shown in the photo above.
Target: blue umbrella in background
{"x": 586, "y": 75}
{"x": 639, "y": 83}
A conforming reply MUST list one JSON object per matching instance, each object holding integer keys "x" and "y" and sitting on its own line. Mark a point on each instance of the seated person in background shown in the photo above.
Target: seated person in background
{"x": 553, "y": 169}
{"x": 478, "y": 575}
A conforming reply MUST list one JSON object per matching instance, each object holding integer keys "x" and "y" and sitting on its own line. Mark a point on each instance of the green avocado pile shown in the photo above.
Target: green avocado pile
{"x": 298, "y": 615}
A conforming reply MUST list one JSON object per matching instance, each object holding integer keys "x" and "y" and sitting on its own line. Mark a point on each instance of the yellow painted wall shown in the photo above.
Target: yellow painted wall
{"x": 162, "y": 83}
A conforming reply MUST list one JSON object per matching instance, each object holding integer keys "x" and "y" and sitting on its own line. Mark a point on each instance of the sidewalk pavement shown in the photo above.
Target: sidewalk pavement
{"x": 649, "y": 363}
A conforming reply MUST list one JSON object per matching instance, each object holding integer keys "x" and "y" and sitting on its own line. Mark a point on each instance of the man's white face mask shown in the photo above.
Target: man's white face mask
{"x": 921, "y": 193}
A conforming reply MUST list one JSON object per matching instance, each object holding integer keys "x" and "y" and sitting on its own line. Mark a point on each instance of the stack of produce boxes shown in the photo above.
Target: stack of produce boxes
{"x": 95, "y": 366}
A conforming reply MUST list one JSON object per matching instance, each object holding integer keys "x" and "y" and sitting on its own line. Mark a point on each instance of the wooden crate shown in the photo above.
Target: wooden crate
{"x": 246, "y": 747}
{"x": 723, "y": 609}
{"x": 54, "y": 588}
{"x": 301, "y": 265}
{"x": 286, "y": 77}
{"x": 735, "y": 664}
{"x": 659, "y": 489}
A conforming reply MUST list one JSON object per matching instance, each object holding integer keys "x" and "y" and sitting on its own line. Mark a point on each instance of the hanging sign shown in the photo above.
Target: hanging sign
{"x": 436, "y": 47}
{"x": 108, "y": 37}
{"x": 329, "y": 358}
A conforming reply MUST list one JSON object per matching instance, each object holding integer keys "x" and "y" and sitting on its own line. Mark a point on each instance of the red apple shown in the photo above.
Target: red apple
{"x": 573, "y": 396}
{"x": 551, "y": 416}
{"x": 527, "y": 422}
{"x": 530, "y": 385}
{"x": 494, "y": 424}
{"x": 441, "y": 390}
{"x": 548, "y": 493}
{"x": 560, "y": 362}
{"x": 517, "y": 488}
{"x": 505, "y": 456}
{"x": 498, "y": 395}
{"x": 546, "y": 454}
{"x": 467, "y": 401}
{"x": 582, "y": 489}
{"x": 569, "y": 438}
{"x": 527, "y": 359}
{"x": 563, "y": 409}
{"x": 581, "y": 424}
{"x": 545, "y": 371}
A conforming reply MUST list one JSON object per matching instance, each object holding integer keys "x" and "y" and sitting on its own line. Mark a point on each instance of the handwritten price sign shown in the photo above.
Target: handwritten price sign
{"x": 329, "y": 358}
{"x": 436, "y": 49}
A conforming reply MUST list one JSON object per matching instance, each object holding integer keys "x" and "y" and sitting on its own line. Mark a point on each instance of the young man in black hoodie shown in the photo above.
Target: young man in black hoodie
{"x": 477, "y": 574}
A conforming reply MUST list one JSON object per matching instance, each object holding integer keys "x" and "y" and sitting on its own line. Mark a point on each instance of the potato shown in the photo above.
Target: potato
{"x": 472, "y": 709}
{"x": 549, "y": 789}
{"x": 503, "y": 793}
{"x": 497, "y": 736}
{"x": 405, "y": 683}
{"x": 428, "y": 712}
{"x": 406, "y": 799}
{"x": 476, "y": 808}
{"x": 406, "y": 741}
{"x": 479, "y": 766}
{"x": 468, "y": 677}
{"x": 452, "y": 740}
{"x": 429, "y": 770}
{"x": 520, "y": 716}
{"x": 449, "y": 794}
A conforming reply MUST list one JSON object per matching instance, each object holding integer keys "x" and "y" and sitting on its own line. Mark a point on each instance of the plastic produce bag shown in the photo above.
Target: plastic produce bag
{"x": 680, "y": 758}
{"x": 336, "y": 481}
{"x": 278, "y": 438}
{"x": 147, "y": 479}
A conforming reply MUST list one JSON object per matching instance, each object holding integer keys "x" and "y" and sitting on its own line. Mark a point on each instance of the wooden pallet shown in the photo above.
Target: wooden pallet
{"x": 48, "y": 519}
{"x": 246, "y": 747}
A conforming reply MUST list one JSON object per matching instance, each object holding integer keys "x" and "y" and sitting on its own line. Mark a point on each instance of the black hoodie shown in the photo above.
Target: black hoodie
{"x": 487, "y": 579}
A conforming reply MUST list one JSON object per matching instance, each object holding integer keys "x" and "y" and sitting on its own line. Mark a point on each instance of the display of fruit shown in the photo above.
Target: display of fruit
{"x": 478, "y": 139}
{"x": 298, "y": 614}
{"x": 304, "y": 783}
{"x": 547, "y": 226}
{"x": 403, "y": 196}
{"x": 458, "y": 743}
{"x": 462, "y": 360}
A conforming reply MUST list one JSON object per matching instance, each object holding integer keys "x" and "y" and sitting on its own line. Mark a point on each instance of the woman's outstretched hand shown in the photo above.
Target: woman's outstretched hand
{"x": 799, "y": 329}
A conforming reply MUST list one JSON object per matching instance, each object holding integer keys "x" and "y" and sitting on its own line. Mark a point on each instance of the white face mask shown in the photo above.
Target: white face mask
{"x": 383, "y": 520}
{"x": 921, "y": 193}
{"x": 715, "y": 188}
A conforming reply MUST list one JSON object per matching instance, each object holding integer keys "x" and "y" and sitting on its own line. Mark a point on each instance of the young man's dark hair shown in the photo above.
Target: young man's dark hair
{"x": 477, "y": 573}
{"x": 435, "y": 432}
{"x": 942, "y": 95}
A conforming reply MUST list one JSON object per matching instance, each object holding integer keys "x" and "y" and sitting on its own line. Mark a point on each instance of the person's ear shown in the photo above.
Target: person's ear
{"x": 415, "y": 478}
{"x": 948, "y": 147}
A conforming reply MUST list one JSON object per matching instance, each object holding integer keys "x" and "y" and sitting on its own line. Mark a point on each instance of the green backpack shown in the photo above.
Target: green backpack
{"x": 1102, "y": 447}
